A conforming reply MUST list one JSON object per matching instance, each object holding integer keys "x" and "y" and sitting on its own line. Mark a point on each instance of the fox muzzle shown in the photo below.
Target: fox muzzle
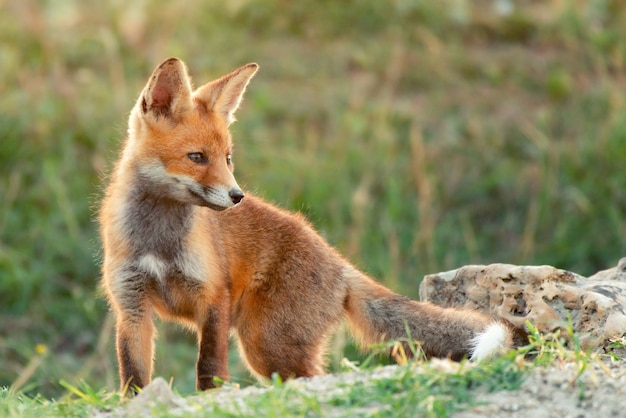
{"x": 236, "y": 195}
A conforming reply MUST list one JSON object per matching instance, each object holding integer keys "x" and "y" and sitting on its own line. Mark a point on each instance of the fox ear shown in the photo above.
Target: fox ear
{"x": 168, "y": 91}
{"x": 224, "y": 94}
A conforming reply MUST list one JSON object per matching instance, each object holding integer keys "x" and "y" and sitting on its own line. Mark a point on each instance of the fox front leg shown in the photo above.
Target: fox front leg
{"x": 135, "y": 351}
{"x": 134, "y": 331}
{"x": 212, "y": 347}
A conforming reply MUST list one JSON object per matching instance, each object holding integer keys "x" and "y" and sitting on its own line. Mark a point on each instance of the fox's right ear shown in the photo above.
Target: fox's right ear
{"x": 168, "y": 92}
{"x": 224, "y": 94}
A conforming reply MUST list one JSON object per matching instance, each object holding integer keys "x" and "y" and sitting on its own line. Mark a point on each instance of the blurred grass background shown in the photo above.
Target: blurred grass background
{"x": 418, "y": 136}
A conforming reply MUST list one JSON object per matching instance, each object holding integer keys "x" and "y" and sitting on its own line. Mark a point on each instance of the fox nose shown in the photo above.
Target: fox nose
{"x": 235, "y": 195}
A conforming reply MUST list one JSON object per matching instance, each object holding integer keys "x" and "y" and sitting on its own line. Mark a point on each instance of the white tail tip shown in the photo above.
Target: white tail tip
{"x": 492, "y": 340}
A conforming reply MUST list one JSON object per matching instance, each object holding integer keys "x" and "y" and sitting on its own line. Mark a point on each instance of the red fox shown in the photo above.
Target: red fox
{"x": 182, "y": 240}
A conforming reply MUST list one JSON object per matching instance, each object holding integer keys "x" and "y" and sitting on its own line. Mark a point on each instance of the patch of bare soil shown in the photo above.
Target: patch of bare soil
{"x": 558, "y": 391}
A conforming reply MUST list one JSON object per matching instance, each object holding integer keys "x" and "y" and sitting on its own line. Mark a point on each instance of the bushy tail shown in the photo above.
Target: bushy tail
{"x": 376, "y": 314}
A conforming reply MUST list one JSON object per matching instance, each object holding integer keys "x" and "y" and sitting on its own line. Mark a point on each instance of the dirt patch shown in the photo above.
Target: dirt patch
{"x": 559, "y": 391}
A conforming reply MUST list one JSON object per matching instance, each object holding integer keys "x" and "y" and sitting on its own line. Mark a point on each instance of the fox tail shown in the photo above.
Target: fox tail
{"x": 376, "y": 314}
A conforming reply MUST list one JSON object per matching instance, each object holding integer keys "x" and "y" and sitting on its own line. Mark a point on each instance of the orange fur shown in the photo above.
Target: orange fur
{"x": 181, "y": 241}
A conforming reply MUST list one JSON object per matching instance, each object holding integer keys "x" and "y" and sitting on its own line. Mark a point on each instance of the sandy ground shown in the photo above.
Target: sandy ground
{"x": 556, "y": 392}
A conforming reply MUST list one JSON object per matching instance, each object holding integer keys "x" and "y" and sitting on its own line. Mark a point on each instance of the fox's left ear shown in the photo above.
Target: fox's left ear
{"x": 168, "y": 91}
{"x": 224, "y": 94}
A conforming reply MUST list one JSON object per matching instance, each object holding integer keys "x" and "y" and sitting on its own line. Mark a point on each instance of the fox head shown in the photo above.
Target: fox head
{"x": 179, "y": 140}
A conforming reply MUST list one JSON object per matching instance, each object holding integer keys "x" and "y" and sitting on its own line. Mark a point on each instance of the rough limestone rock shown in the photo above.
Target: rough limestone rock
{"x": 543, "y": 295}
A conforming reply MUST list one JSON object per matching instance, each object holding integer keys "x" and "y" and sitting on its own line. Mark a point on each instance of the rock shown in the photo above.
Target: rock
{"x": 544, "y": 295}
{"x": 157, "y": 395}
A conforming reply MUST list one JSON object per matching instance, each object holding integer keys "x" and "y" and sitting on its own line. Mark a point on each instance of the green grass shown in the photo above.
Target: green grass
{"x": 414, "y": 389}
{"x": 407, "y": 391}
{"x": 417, "y": 136}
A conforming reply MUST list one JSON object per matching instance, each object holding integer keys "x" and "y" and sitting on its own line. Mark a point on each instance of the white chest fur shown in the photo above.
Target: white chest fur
{"x": 190, "y": 265}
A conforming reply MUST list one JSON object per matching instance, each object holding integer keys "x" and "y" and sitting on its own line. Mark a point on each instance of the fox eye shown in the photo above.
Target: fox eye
{"x": 229, "y": 159}
{"x": 198, "y": 158}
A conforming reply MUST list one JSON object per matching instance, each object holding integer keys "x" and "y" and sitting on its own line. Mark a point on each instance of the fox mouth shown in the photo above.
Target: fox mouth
{"x": 202, "y": 201}
{"x": 214, "y": 206}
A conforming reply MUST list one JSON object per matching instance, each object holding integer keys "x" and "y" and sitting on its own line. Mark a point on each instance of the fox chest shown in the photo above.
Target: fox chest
{"x": 169, "y": 256}
{"x": 162, "y": 270}
{"x": 159, "y": 238}
{"x": 174, "y": 287}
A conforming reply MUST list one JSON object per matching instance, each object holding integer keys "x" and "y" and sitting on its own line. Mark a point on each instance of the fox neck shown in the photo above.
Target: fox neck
{"x": 156, "y": 224}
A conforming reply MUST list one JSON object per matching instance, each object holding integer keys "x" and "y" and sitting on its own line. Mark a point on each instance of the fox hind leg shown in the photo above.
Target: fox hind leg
{"x": 284, "y": 341}
{"x": 281, "y": 355}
